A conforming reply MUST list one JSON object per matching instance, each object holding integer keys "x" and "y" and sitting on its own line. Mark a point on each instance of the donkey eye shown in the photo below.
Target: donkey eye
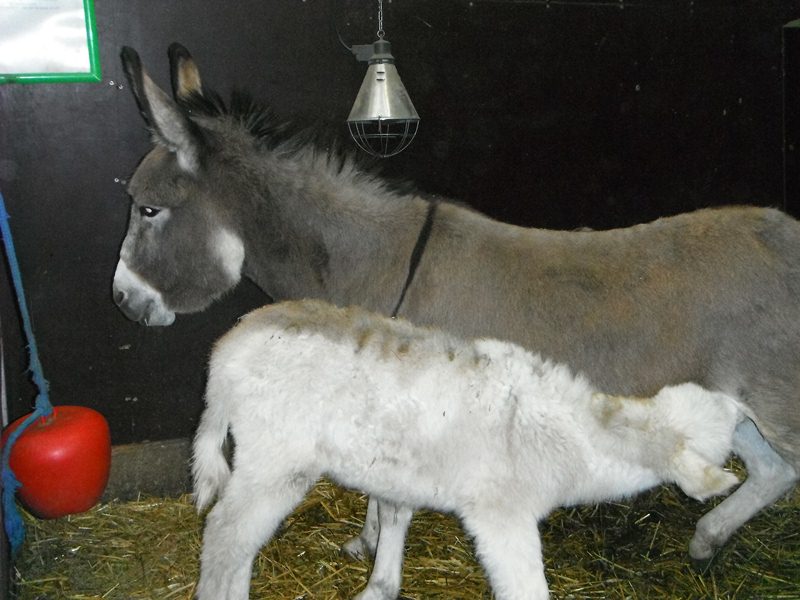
{"x": 148, "y": 211}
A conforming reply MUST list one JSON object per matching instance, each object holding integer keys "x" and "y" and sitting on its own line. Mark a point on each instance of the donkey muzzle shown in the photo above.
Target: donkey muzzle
{"x": 138, "y": 300}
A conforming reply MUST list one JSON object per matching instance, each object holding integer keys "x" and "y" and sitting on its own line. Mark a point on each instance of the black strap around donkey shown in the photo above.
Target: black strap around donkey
{"x": 416, "y": 254}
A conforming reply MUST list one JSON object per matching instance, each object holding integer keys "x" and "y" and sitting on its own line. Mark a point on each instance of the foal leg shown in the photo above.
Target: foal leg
{"x": 768, "y": 478}
{"x": 510, "y": 550}
{"x": 386, "y": 577}
{"x": 242, "y": 521}
{"x": 363, "y": 546}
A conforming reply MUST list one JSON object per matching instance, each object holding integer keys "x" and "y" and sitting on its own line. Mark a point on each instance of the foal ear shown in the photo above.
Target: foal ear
{"x": 171, "y": 127}
{"x": 185, "y": 74}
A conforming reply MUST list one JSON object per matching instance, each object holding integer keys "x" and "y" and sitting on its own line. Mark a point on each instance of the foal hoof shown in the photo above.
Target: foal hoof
{"x": 357, "y": 549}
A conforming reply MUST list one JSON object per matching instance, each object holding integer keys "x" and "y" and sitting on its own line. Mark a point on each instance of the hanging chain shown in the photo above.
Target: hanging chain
{"x": 381, "y": 32}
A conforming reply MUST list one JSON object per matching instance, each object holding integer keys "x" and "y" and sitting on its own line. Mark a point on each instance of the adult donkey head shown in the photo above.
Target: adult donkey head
{"x": 181, "y": 250}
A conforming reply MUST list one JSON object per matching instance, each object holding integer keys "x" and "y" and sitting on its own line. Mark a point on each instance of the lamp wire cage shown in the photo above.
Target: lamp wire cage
{"x": 383, "y": 137}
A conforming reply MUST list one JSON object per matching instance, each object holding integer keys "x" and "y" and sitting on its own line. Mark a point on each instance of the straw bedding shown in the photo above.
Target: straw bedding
{"x": 633, "y": 550}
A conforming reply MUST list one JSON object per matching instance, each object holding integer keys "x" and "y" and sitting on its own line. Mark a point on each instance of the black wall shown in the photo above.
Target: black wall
{"x": 554, "y": 114}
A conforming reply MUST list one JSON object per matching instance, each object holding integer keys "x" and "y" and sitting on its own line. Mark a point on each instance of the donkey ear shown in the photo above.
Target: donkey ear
{"x": 170, "y": 126}
{"x": 185, "y": 74}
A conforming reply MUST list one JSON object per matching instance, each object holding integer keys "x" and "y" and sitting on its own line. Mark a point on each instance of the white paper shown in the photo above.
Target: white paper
{"x": 43, "y": 36}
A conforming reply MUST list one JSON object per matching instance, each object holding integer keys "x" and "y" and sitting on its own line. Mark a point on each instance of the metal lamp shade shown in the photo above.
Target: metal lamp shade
{"x": 383, "y": 120}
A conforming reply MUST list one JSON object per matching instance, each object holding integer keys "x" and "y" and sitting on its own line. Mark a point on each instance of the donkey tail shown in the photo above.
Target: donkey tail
{"x": 210, "y": 470}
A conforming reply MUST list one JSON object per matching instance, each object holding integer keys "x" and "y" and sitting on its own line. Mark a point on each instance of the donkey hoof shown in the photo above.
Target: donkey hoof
{"x": 701, "y": 552}
{"x": 701, "y": 566}
{"x": 357, "y": 549}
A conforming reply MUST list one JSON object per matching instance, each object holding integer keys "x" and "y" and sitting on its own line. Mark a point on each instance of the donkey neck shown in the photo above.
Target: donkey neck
{"x": 337, "y": 234}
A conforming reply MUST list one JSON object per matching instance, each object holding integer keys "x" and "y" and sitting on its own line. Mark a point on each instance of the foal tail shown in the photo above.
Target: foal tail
{"x": 210, "y": 468}
{"x": 698, "y": 477}
{"x": 704, "y": 422}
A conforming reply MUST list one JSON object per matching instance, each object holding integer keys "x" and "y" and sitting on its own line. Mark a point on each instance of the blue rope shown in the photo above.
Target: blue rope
{"x": 14, "y": 525}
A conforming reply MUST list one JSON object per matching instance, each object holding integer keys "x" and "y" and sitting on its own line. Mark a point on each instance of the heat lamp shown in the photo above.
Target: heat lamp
{"x": 383, "y": 120}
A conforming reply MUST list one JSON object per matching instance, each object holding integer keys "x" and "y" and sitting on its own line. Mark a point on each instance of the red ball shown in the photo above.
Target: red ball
{"x": 62, "y": 461}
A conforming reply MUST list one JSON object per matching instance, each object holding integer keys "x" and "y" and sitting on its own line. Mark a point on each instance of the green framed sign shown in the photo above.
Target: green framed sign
{"x": 48, "y": 41}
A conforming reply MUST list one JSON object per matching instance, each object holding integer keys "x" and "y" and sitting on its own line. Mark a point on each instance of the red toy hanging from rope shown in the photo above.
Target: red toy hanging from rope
{"x": 62, "y": 461}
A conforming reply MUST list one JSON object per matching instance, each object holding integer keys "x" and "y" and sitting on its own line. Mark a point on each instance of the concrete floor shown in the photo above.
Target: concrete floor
{"x": 149, "y": 468}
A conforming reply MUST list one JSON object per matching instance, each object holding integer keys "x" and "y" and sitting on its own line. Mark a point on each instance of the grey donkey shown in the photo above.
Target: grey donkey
{"x": 709, "y": 297}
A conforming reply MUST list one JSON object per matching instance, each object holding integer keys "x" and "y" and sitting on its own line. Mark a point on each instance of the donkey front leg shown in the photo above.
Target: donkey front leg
{"x": 242, "y": 521}
{"x": 363, "y": 546}
{"x": 387, "y": 573}
{"x": 768, "y": 478}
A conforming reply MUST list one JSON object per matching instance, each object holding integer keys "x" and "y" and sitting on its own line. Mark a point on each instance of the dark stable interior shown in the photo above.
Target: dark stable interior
{"x": 548, "y": 114}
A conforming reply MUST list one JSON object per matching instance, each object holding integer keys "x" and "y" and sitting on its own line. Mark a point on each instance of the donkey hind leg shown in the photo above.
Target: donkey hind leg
{"x": 508, "y": 545}
{"x": 768, "y": 478}
{"x": 363, "y": 546}
{"x": 242, "y": 521}
{"x": 387, "y": 573}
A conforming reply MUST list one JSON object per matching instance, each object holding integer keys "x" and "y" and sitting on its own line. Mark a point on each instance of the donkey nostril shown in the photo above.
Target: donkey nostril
{"x": 119, "y": 297}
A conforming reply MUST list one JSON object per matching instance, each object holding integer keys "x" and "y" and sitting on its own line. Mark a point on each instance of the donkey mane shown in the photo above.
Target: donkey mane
{"x": 257, "y": 119}
{"x": 317, "y": 144}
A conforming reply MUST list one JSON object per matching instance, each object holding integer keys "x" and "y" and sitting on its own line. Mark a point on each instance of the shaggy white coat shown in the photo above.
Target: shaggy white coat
{"x": 416, "y": 418}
